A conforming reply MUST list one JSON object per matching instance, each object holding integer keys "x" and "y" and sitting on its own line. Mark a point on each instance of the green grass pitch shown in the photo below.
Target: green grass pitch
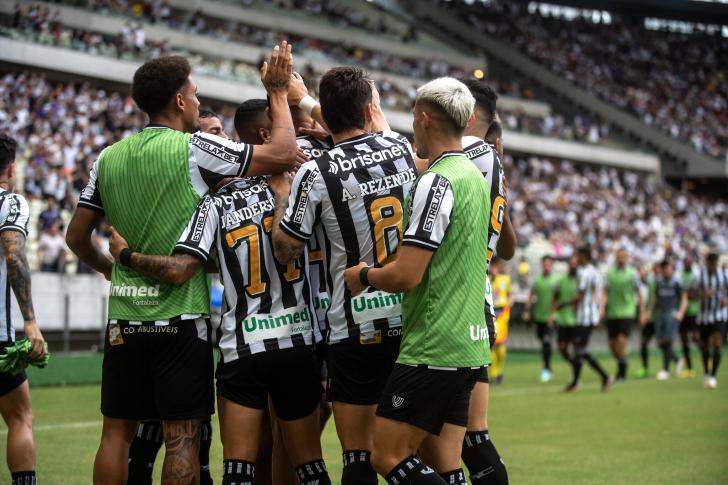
{"x": 642, "y": 431}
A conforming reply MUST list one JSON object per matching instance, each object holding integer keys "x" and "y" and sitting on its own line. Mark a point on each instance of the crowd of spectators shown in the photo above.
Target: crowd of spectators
{"x": 62, "y": 127}
{"x": 563, "y": 204}
{"x": 675, "y": 82}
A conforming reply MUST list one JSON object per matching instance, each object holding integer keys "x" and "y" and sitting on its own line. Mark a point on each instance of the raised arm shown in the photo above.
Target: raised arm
{"x": 285, "y": 247}
{"x": 298, "y": 96}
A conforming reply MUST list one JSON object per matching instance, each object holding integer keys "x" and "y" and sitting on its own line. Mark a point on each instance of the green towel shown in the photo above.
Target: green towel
{"x": 15, "y": 357}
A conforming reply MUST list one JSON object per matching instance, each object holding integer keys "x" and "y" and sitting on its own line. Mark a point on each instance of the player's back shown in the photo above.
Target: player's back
{"x": 268, "y": 305}
{"x": 14, "y": 216}
{"x": 359, "y": 188}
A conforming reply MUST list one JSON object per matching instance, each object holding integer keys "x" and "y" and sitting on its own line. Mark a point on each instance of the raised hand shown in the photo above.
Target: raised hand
{"x": 275, "y": 74}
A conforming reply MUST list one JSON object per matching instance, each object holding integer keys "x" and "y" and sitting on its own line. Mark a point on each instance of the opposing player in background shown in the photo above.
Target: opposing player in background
{"x": 712, "y": 289}
{"x": 483, "y": 145}
{"x": 688, "y": 326}
{"x": 538, "y": 309}
{"x": 15, "y": 406}
{"x": 563, "y": 310}
{"x": 441, "y": 269}
{"x": 148, "y": 436}
{"x": 647, "y": 320}
{"x": 354, "y": 193}
{"x": 502, "y": 303}
{"x": 587, "y": 318}
{"x": 670, "y": 303}
{"x": 158, "y": 358}
{"x": 621, "y": 305}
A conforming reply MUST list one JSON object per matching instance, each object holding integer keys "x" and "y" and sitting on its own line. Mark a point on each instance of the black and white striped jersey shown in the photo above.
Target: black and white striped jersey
{"x": 483, "y": 155}
{"x": 266, "y": 306}
{"x": 314, "y": 148}
{"x": 589, "y": 283}
{"x": 14, "y": 216}
{"x": 713, "y": 308}
{"x": 355, "y": 194}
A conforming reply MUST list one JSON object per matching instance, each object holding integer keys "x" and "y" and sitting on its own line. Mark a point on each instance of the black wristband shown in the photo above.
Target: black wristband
{"x": 125, "y": 257}
{"x": 363, "y": 278}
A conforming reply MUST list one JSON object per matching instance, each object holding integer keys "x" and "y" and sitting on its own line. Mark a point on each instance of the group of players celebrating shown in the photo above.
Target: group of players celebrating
{"x": 353, "y": 263}
{"x": 692, "y": 304}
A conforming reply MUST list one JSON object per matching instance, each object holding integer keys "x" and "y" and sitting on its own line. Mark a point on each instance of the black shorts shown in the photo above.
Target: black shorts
{"x": 158, "y": 372}
{"x": 648, "y": 331}
{"x": 483, "y": 376}
{"x": 689, "y": 323}
{"x": 322, "y": 352}
{"x": 582, "y": 333}
{"x": 544, "y": 332}
{"x": 708, "y": 329}
{"x": 619, "y": 326}
{"x": 10, "y": 382}
{"x": 428, "y": 398}
{"x": 358, "y": 371}
{"x": 290, "y": 377}
{"x": 566, "y": 334}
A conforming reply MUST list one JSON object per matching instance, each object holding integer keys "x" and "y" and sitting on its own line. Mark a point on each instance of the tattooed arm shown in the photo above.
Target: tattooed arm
{"x": 175, "y": 269}
{"x": 13, "y": 243}
{"x": 285, "y": 247}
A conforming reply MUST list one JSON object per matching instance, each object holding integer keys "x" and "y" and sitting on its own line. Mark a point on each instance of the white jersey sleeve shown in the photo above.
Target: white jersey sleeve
{"x": 430, "y": 208}
{"x": 91, "y": 196}
{"x": 200, "y": 234}
{"x": 14, "y": 214}
{"x": 304, "y": 202}
{"x": 212, "y": 159}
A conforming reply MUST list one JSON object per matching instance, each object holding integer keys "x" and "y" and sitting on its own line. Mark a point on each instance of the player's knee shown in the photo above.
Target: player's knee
{"x": 20, "y": 417}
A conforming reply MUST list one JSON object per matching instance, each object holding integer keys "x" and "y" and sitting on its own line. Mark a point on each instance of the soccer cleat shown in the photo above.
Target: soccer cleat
{"x": 571, "y": 388}
{"x": 686, "y": 373}
{"x": 663, "y": 375}
{"x": 680, "y": 366}
{"x": 545, "y": 375}
{"x": 712, "y": 382}
{"x": 642, "y": 373}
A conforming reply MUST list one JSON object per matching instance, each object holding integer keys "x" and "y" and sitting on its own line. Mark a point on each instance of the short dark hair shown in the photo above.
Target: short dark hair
{"x": 712, "y": 257}
{"x": 485, "y": 97}
{"x": 547, "y": 257}
{"x": 665, "y": 263}
{"x": 585, "y": 251}
{"x": 157, "y": 81}
{"x": 344, "y": 92}
{"x": 8, "y": 147}
{"x": 246, "y": 114}
{"x": 207, "y": 113}
{"x": 495, "y": 130}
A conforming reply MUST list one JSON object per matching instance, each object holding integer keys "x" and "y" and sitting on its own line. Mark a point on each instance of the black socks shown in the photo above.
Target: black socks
{"x": 313, "y": 473}
{"x": 237, "y": 472}
{"x": 143, "y": 452}
{"x": 482, "y": 459}
{"x": 411, "y": 471}
{"x": 23, "y": 478}
{"x": 454, "y": 477}
{"x": 358, "y": 468}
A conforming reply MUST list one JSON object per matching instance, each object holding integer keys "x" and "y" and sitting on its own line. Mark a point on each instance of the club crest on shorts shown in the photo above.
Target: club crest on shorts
{"x": 115, "y": 337}
{"x": 397, "y": 401}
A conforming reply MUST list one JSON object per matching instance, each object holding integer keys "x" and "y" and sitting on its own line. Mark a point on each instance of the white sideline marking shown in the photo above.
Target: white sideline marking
{"x": 60, "y": 426}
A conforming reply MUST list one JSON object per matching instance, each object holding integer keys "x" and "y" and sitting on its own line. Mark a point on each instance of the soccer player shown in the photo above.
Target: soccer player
{"x": 502, "y": 302}
{"x": 670, "y": 303}
{"x": 441, "y": 269}
{"x": 158, "y": 359}
{"x": 265, "y": 339}
{"x": 621, "y": 304}
{"x": 712, "y": 289}
{"x": 354, "y": 194}
{"x": 538, "y": 309}
{"x": 15, "y": 405}
{"x": 647, "y": 320}
{"x": 210, "y": 123}
{"x": 479, "y": 452}
{"x": 148, "y": 437}
{"x": 563, "y": 310}
{"x": 587, "y": 318}
{"x": 688, "y": 326}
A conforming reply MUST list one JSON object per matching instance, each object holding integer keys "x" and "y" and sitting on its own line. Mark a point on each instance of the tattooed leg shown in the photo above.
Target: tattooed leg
{"x": 181, "y": 461}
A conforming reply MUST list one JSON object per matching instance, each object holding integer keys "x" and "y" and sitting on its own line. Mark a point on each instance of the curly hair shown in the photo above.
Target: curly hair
{"x": 8, "y": 147}
{"x": 157, "y": 81}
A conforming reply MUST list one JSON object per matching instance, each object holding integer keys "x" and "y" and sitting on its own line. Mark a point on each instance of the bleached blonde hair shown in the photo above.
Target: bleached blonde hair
{"x": 451, "y": 96}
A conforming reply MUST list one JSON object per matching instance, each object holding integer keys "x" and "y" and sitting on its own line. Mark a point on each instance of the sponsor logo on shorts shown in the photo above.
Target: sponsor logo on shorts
{"x": 397, "y": 401}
